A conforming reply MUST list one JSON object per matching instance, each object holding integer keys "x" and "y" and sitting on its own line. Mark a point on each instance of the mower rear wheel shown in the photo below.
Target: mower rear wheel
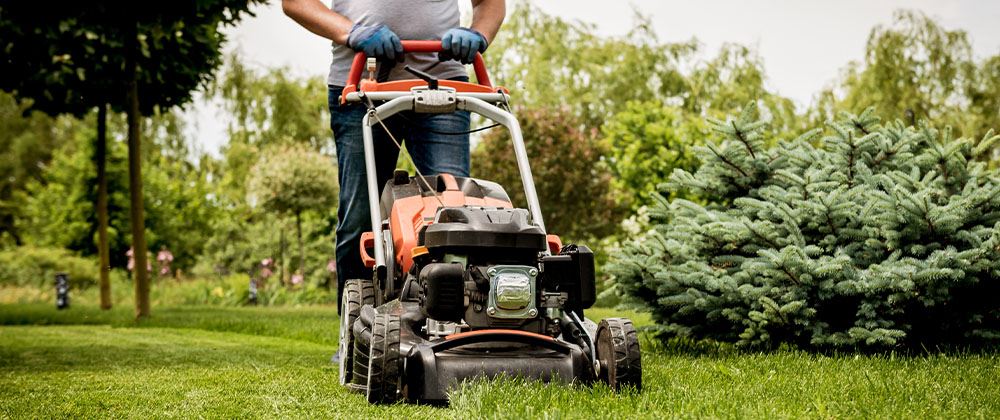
{"x": 357, "y": 293}
{"x": 362, "y": 343}
{"x": 619, "y": 355}
{"x": 385, "y": 365}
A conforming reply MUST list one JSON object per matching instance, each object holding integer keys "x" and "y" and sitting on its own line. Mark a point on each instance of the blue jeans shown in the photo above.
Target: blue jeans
{"x": 432, "y": 154}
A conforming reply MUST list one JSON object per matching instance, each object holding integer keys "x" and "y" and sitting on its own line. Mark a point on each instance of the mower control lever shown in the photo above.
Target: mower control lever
{"x": 432, "y": 82}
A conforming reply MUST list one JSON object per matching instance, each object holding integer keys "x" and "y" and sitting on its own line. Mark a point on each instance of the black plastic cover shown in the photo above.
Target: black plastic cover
{"x": 572, "y": 272}
{"x": 443, "y": 287}
{"x": 478, "y": 227}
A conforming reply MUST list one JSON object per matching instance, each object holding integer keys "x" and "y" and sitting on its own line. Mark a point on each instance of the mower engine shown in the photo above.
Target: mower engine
{"x": 483, "y": 270}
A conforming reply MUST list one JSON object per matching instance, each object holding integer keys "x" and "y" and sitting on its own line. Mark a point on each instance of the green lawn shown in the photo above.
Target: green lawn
{"x": 274, "y": 362}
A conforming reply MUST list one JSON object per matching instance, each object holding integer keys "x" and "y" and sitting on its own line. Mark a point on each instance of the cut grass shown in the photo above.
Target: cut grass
{"x": 274, "y": 362}
{"x": 315, "y": 324}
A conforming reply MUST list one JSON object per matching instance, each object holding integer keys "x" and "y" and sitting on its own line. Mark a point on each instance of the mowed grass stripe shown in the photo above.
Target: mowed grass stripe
{"x": 276, "y": 364}
{"x": 317, "y": 324}
{"x": 779, "y": 385}
{"x": 98, "y": 371}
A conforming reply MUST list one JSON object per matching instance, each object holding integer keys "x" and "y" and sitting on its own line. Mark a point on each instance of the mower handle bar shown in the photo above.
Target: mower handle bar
{"x": 411, "y": 46}
{"x": 493, "y": 98}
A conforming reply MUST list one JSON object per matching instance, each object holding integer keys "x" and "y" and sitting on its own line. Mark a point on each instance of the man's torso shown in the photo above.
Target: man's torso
{"x": 409, "y": 19}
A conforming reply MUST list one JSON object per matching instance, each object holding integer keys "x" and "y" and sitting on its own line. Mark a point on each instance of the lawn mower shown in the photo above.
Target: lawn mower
{"x": 465, "y": 285}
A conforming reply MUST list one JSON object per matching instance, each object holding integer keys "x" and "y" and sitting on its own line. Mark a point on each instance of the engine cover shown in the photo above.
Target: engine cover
{"x": 464, "y": 227}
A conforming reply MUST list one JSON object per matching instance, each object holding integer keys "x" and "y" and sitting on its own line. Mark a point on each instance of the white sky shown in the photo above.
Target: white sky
{"x": 804, "y": 43}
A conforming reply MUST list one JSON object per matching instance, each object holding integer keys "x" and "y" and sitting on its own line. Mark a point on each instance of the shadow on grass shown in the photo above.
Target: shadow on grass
{"x": 653, "y": 341}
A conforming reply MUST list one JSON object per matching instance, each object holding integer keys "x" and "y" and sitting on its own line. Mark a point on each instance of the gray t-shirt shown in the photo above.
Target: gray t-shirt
{"x": 410, "y": 20}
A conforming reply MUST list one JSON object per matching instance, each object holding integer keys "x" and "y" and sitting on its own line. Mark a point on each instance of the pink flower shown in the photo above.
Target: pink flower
{"x": 164, "y": 256}
{"x": 297, "y": 278}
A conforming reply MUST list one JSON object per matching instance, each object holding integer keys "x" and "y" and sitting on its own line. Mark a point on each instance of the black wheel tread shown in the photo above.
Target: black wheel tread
{"x": 357, "y": 293}
{"x": 384, "y": 360}
{"x": 627, "y": 369}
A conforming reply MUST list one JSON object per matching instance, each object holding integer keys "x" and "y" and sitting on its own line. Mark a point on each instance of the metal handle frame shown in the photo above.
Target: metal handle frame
{"x": 405, "y": 101}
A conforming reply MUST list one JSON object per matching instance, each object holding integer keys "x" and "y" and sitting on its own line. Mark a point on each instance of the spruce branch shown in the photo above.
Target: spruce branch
{"x": 727, "y": 161}
{"x": 743, "y": 139}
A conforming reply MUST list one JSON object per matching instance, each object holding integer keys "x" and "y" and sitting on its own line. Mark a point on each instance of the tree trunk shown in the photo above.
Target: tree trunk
{"x": 102, "y": 205}
{"x": 135, "y": 182}
{"x": 302, "y": 250}
{"x": 281, "y": 256}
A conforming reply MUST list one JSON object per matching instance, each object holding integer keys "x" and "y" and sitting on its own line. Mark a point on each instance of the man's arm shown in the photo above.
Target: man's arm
{"x": 487, "y": 15}
{"x": 320, "y": 20}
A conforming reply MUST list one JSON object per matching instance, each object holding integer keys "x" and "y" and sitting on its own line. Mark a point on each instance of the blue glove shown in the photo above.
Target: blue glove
{"x": 462, "y": 44}
{"x": 375, "y": 41}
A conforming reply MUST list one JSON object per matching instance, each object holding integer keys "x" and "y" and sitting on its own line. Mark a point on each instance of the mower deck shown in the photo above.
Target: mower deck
{"x": 431, "y": 368}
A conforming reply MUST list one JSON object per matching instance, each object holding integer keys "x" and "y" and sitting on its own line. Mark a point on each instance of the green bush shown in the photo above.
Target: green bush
{"x": 28, "y": 265}
{"x": 231, "y": 290}
{"x": 873, "y": 236}
{"x": 234, "y": 290}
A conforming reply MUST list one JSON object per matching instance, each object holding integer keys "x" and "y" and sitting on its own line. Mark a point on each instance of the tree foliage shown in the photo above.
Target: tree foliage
{"x": 549, "y": 62}
{"x": 137, "y": 57}
{"x": 915, "y": 70}
{"x": 70, "y": 59}
{"x": 293, "y": 179}
{"x": 644, "y": 143}
{"x": 646, "y": 97}
{"x": 265, "y": 109}
{"x": 872, "y": 235}
{"x": 27, "y": 140}
{"x": 58, "y": 207}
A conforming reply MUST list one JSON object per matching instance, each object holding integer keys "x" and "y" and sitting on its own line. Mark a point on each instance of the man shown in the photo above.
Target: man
{"x": 437, "y": 143}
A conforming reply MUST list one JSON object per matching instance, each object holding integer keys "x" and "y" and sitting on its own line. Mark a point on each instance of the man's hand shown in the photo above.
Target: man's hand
{"x": 376, "y": 41}
{"x": 462, "y": 44}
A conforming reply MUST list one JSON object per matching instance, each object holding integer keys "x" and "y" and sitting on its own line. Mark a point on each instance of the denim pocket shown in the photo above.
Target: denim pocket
{"x": 333, "y": 96}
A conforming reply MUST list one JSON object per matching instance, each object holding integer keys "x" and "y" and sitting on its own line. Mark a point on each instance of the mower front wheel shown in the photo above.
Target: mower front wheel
{"x": 385, "y": 366}
{"x": 619, "y": 355}
{"x": 357, "y": 293}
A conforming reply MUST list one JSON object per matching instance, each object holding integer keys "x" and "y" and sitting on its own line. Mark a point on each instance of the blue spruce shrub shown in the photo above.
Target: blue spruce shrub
{"x": 863, "y": 235}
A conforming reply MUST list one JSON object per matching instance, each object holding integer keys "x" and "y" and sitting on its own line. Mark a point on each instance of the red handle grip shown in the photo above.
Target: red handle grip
{"x": 478, "y": 65}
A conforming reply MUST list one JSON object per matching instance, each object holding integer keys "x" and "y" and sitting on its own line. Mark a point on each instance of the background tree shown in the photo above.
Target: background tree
{"x": 58, "y": 210}
{"x": 549, "y": 62}
{"x": 645, "y": 96}
{"x": 28, "y": 140}
{"x": 916, "y": 70}
{"x": 644, "y": 143}
{"x": 572, "y": 184}
{"x": 76, "y": 56}
{"x": 291, "y": 180}
{"x": 721, "y": 86}
{"x": 265, "y": 109}
{"x": 59, "y": 205}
